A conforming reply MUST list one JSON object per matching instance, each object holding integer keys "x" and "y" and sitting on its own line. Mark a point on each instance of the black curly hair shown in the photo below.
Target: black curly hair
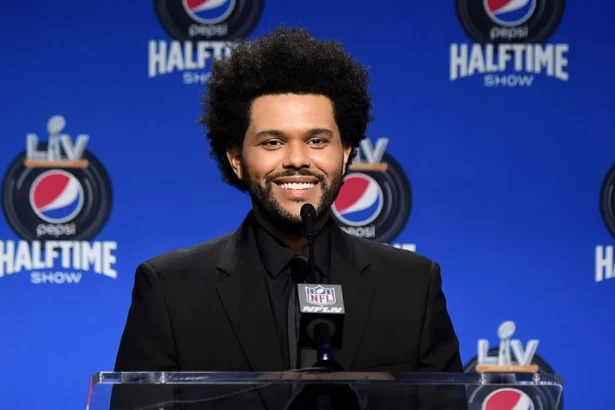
{"x": 288, "y": 60}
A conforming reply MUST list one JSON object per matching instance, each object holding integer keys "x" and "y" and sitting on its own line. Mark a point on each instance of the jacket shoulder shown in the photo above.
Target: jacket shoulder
{"x": 182, "y": 259}
{"x": 377, "y": 251}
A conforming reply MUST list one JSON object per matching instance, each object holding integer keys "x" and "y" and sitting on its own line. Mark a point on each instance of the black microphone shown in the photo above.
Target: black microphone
{"x": 321, "y": 326}
{"x": 308, "y": 216}
{"x": 321, "y": 308}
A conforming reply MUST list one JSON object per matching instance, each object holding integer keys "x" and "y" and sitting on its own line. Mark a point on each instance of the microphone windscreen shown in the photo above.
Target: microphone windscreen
{"x": 308, "y": 216}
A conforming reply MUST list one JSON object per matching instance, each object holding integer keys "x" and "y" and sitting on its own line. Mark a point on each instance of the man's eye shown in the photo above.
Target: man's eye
{"x": 272, "y": 143}
{"x": 317, "y": 141}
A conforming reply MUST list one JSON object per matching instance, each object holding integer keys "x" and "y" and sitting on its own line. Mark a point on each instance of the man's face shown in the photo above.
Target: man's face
{"x": 292, "y": 155}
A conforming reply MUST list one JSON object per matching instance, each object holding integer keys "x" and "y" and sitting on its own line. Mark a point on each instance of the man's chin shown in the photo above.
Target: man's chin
{"x": 290, "y": 215}
{"x": 292, "y": 211}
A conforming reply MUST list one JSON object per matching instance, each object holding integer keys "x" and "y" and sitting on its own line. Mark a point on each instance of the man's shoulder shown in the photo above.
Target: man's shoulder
{"x": 379, "y": 252}
{"x": 184, "y": 259}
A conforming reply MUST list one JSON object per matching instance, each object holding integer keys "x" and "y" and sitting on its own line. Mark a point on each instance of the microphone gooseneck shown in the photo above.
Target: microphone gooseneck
{"x": 321, "y": 324}
{"x": 308, "y": 217}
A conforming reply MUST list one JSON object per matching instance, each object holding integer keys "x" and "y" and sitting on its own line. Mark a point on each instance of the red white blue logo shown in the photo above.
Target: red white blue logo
{"x": 56, "y": 196}
{"x": 209, "y": 11}
{"x": 359, "y": 201}
{"x": 209, "y": 20}
{"x": 509, "y": 21}
{"x": 508, "y": 399}
{"x": 320, "y": 295}
{"x": 510, "y": 12}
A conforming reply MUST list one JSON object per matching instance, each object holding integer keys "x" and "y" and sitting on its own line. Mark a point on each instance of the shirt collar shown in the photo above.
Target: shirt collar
{"x": 276, "y": 255}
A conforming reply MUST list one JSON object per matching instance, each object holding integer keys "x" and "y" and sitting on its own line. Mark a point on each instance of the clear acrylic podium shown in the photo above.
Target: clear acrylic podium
{"x": 300, "y": 390}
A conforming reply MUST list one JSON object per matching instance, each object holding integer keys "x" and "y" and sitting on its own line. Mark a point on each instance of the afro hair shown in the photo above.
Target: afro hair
{"x": 288, "y": 60}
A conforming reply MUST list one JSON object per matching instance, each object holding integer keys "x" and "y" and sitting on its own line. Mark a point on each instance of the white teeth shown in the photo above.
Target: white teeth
{"x": 294, "y": 185}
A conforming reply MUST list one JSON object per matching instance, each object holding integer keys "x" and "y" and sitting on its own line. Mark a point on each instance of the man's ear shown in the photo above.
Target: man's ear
{"x": 234, "y": 158}
{"x": 347, "y": 152}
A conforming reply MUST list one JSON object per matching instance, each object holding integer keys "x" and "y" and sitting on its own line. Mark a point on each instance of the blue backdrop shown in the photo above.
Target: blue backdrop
{"x": 505, "y": 181}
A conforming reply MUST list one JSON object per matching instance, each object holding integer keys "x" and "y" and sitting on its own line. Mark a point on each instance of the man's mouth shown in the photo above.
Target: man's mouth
{"x": 297, "y": 185}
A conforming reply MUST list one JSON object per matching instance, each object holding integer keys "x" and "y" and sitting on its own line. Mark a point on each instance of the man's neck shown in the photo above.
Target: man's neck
{"x": 295, "y": 240}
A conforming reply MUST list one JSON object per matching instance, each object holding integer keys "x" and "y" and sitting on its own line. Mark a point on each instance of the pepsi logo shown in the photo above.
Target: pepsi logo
{"x": 359, "y": 201}
{"x": 510, "y": 12}
{"x": 509, "y": 21}
{"x": 491, "y": 396}
{"x": 209, "y": 11}
{"x": 508, "y": 399}
{"x": 374, "y": 201}
{"x": 56, "y": 202}
{"x": 56, "y": 196}
{"x": 209, "y": 20}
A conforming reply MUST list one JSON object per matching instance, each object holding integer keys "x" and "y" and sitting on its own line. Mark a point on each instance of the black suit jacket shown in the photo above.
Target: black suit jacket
{"x": 206, "y": 308}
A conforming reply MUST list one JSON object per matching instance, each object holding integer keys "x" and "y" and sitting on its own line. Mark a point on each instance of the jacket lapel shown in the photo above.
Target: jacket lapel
{"x": 349, "y": 269}
{"x": 244, "y": 296}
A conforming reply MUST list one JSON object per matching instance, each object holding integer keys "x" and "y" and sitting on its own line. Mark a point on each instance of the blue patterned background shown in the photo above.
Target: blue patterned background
{"x": 506, "y": 181}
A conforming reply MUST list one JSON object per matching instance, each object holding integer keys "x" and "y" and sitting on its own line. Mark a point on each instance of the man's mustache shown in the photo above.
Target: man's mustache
{"x": 269, "y": 179}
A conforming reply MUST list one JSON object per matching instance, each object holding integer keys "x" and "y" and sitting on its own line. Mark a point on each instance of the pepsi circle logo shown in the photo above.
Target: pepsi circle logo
{"x": 209, "y": 11}
{"x": 509, "y": 21}
{"x": 607, "y": 201}
{"x": 359, "y": 201}
{"x": 209, "y": 20}
{"x": 490, "y": 397}
{"x": 508, "y": 399}
{"x": 56, "y": 196}
{"x": 374, "y": 204}
{"x": 510, "y": 12}
{"x": 56, "y": 203}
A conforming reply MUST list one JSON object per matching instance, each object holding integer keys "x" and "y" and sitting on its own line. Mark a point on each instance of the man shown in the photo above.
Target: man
{"x": 285, "y": 115}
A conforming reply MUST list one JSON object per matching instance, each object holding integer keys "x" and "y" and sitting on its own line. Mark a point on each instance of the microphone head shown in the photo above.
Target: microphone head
{"x": 308, "y": 216}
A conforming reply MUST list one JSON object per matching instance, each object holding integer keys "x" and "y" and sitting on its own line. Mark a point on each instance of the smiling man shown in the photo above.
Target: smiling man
{"x": 285, "y": 115}
{"x": 292, "y": 154}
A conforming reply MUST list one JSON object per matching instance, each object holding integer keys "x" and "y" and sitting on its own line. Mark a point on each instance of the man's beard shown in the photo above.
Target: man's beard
{"x": 271, "y": 209}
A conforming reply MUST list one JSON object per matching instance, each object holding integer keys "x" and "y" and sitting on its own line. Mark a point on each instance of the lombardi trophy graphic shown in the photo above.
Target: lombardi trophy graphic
{"x": 508, "y": 349}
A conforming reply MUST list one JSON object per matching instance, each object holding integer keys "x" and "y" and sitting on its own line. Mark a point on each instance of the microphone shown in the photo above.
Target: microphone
{"x": 321, "y": 326}
{"x": 321, "y": 319}
{"x": 321, "y": 307}
{"x": 308, "y": 217}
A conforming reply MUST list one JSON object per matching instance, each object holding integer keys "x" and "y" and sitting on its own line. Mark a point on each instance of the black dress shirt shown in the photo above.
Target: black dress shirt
{"x": 277, "y": 260}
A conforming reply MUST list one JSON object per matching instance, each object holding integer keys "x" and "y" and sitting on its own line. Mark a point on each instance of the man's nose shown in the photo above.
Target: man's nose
{"x": 297, "y": 155}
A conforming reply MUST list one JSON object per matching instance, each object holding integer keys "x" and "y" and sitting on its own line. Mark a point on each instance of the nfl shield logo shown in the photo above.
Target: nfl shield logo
{"x": 321, "y": 296}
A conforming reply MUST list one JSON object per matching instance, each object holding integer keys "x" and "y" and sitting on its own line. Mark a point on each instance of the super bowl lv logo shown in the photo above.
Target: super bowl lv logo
{"x": 505, "y": 362}
{"x": 203, "y": 30}
{"x": 605, "y": 263}
{"x": 510, "y": 48}
{"x": 56, "y": 196}
{"x": 375, "y": 200}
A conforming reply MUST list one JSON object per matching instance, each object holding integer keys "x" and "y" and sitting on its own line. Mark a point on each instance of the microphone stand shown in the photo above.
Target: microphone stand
{"x": 321, "y": 396}
{"x": 308, "y": 217}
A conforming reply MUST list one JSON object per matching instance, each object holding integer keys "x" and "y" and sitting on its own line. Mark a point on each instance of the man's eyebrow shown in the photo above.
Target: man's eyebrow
{"x": 280, "y": 134}
{"x": 270, "y": 133}
{"x": 318, "y": 131}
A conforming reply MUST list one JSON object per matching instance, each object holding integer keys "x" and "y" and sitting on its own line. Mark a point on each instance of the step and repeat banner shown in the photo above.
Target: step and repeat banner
{"x": 492, "y": 152}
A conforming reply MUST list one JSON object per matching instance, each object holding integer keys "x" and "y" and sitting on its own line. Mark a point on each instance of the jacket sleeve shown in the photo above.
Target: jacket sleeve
{"x": 147, "y": 341}
{"x": 146, "y": 345}
{"x": 439, "y": 348}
